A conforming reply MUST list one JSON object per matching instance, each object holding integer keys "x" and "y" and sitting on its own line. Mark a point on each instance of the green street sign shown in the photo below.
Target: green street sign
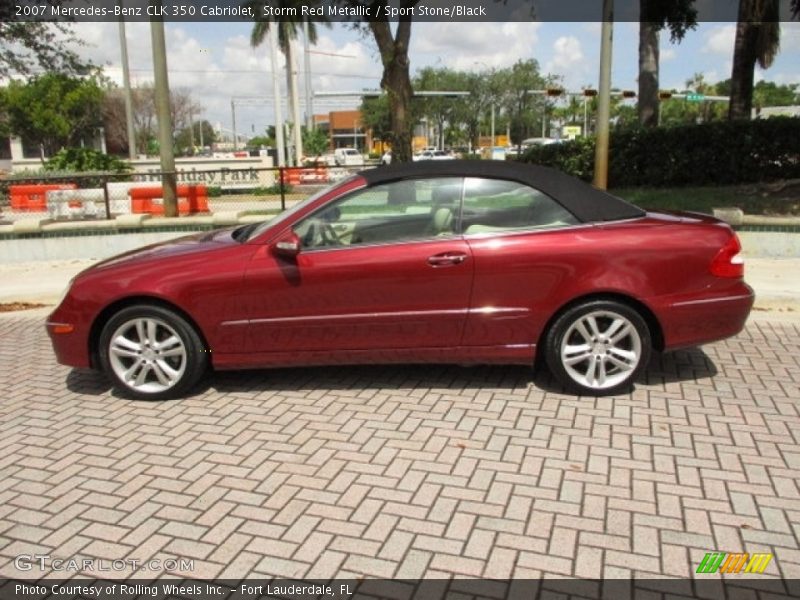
{"x": 695, "y": 97}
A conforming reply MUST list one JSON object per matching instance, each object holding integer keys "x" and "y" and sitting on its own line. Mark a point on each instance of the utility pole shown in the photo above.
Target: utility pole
{"x": 604, "y": 98}
{"x": 276, "y": 89}
{"x": 169, "y": 183}
{"x": 296, "y": 125}
{"x": 126, "y": 82}
{"x": 307, "y": 66}
{"x": 233, "y": 124}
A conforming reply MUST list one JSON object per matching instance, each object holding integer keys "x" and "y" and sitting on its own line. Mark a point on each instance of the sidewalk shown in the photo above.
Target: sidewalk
{"x": 775, "y": 281}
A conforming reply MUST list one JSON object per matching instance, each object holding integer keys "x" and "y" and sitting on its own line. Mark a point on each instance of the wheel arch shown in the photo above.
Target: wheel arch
{"x": 653, "y": 324}
{"x": 105, "y": 315}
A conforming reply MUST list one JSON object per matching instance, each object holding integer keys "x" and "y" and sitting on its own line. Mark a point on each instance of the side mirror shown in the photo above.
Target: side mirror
{"x": 288, "y": 246}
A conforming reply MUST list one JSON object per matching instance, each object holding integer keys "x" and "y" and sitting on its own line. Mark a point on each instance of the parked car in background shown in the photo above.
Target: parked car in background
{"x": 346, "y": 157}
{"x": 437, "y": 261}
{"x": 433, "y": 155}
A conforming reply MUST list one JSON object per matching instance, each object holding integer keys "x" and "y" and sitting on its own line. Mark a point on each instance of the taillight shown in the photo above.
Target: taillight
{"x": 728, "y": 262}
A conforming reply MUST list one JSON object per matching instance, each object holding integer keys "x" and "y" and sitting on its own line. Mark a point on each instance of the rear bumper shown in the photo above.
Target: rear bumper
{"x": 709, "y": 318}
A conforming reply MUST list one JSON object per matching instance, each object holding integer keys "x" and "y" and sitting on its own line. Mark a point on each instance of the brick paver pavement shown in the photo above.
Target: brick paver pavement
{"x": 406, "y": 471}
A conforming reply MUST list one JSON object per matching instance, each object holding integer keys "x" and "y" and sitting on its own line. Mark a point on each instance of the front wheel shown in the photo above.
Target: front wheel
{"x": 152, "y": 353}
{"x": 598, "y": 347}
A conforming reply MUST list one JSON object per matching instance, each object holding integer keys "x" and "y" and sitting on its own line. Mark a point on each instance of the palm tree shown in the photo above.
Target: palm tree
{"x": 654, "y": 15}
{"x": 287, "y": 29}
{"x": 758, "y": 37}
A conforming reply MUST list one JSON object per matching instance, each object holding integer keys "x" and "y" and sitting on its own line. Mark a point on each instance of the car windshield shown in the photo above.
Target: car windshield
{"x": 280, "y": 217}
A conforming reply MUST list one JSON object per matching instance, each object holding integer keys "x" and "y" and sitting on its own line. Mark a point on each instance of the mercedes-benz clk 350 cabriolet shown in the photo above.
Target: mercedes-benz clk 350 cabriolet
{"x": 462, "y": 262}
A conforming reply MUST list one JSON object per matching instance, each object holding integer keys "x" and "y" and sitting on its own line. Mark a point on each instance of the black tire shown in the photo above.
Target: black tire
{"x": 170, "y": 359}
{"x": 602, "y": 360}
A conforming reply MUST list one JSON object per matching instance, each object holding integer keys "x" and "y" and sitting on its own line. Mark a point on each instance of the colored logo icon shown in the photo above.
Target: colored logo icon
{"x": 724, "y": 562}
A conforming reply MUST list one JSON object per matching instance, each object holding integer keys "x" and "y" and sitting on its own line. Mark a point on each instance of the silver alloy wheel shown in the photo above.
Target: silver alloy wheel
{"x": 601, "y": 349}
{"x": 147, "y": 355}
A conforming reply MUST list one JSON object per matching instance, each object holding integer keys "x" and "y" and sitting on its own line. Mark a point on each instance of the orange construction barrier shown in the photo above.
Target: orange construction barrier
{"x": 292, "y": 175}
{"x": 33, "y": 197}
{"x": 314, "y": 175}
{"x": 192, "y": 199}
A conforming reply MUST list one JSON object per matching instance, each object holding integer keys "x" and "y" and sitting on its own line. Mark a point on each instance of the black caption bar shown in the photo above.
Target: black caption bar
{"x": 350, "y": 10}
{"x": 399, "y": 589}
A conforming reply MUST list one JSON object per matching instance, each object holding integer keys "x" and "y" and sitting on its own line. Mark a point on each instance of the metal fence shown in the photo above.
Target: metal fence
{"x": 247, "y": 191}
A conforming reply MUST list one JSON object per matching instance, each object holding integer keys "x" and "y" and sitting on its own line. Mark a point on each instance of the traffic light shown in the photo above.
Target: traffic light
{"x": 590, "y": 93}
{"x": 628, "y": 94}
{"x": 664, "y": 95}
{"x": 554, "y": 91}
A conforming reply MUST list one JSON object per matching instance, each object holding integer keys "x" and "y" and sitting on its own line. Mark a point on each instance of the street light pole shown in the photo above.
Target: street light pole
{"x": 585, "y": 118}
{"x": 165, "y": 144}
{"x": 307, "y": 68}
{"x": 126, "y": 82}
{"x": 276, "y": 89}
{"x": 604, "y": 98}
{"x": 233, "y": 124}
{"x": 493, "y": 144}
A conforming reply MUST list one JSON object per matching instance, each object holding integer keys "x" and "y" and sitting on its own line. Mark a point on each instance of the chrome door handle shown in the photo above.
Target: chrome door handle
{"x": 447, "y": 259}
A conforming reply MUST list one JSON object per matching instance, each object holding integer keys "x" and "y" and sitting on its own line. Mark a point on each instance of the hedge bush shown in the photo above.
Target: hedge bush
{"x": 715, "y": 153}
{"x": 86, "y": 159}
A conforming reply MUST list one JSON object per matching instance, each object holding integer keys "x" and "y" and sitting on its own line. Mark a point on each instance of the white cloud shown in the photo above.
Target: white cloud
{"x": 567, "y": 53}
{"x": 719, "y": 40}
{"x": 667, "y": 54}
{"x": 492, "y": 45}
{"x": 790, "y": 36}
{"x": 569, "y": 62}
{"x": 216, "y": 70}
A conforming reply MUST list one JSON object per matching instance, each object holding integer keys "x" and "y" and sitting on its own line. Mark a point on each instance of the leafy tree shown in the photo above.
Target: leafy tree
{"x": 474, "y": 110}
{"x": 444, "y": 111}
{"x": 315, "y": 142}
{"x": 396, "y": 79}
{"x": 256, "y": 142}
{"x": 757, "y": 41}
{"x": 769, "y": 93}
{"x": 523, "y": 108}
{"x": 53, "y": 110}
{"x": 183, "y": 109}
{"x": 654, "y": 15}
{"x": 188, "y": 138}
{"x": 681, "y": 112}
{"x": 375, "y": 116}
{"x": 29, "y": 46}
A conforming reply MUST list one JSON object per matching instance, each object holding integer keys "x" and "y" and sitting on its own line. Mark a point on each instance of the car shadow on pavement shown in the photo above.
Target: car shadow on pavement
{"x": 87, "y": 381}
{"x": 684, "y": 365}
{"x": 377, "y": 377}
{"x": 690, "y": 364}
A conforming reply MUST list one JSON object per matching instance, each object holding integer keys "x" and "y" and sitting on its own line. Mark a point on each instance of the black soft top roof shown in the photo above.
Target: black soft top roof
{"x": 587, "y": 203}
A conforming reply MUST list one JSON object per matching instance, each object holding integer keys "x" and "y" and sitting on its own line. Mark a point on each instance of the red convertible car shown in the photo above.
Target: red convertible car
{"x": 438, "y": 262}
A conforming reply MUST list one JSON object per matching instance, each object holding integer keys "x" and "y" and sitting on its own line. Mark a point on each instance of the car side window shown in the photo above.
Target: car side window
{"x": 496, "y": 205}
{"x": 392, "y": 212}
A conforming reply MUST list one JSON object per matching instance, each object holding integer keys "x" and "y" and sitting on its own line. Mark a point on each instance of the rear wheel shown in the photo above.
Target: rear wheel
{"x": 152, "y": 353}
{"x": 598, "y": 347}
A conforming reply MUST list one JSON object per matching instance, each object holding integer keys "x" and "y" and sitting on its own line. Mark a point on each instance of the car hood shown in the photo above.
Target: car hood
{"x": 182, "y": 246}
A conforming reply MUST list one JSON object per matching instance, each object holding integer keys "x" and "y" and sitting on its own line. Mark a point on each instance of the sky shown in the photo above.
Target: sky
{"x": 217, "y": 64}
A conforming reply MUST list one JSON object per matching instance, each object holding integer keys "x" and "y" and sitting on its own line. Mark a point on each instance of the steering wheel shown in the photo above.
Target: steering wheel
{"x": 329, "y": 235}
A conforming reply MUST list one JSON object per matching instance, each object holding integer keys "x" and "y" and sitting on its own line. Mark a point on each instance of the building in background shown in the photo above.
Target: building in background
{"x": 345, "y": 129}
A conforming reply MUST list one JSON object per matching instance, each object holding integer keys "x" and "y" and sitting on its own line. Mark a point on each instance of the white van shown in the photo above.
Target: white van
{"x": 348, "y": 157}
